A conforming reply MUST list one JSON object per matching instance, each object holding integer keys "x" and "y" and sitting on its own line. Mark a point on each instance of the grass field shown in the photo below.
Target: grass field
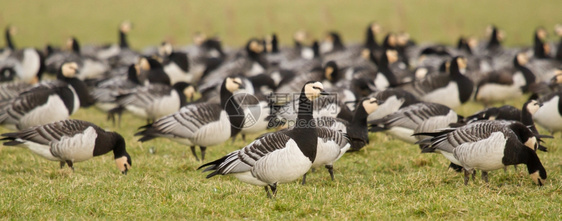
{"x": 387, "y": 179}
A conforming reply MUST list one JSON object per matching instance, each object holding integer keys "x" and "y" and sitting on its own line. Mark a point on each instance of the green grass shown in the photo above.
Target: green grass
{"x": 387, "y": 179}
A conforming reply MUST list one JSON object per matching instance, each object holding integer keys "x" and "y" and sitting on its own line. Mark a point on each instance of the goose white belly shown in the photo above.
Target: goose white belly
{"x": 486, "y": 154}
{"x": 448, "y": 96}
{"x": 248, "y": 178}
{"x": 77, "y": 148}
{"x": 402, "y": 133}
{"x": 39, "y": 149}
{"x": 496, "y": 93}
{"x": 164, "y": 106}
{"x": 176, "y": 74}
{"x": 449, "y": 157}
{"x": 327, "y": 152}
{"x": 30, "y": 65}
{"x": 282, "y": 166}
{"x": 548, "y": 115}
{"x": 213, "y": 133}
{"x": 53, "y": 110}
{"x": 381, "y": 82}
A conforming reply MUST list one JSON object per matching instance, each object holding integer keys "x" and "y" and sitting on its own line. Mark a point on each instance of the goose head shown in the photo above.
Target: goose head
{"x": 69, "y": 70}
{"x": 539, "y": 176}
{"x": 370, "y": 104}
{"x": 532, "y": 106}
{"x": 122, "y": 158}
{"x": 557, "y": 79}
{"x": 165, "y": 49}
{"x": 313, "y": 90}
{"x": 233, "y": 84}
{"x": 331, "y": 71}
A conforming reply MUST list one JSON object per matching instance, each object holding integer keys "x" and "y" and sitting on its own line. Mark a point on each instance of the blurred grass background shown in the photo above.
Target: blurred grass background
{"x": 236, "y": 21}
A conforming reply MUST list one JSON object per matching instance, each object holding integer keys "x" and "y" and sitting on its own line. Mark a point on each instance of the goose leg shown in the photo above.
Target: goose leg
{"x": 473, "y": 174}
{"x": 485, "y": 176}
{"x": 304, "y": 179}
{"x": 233, "y": 139}
{"x": 466, "y": 176}
{"x": 273, "y": 189}
{"x": 203, "y": 150}
{"x": 62, "y": 163}
{"x": 193, "y": 152}
{"x": 330, "y": 170}
{"x": 267, "y": 191}
{"x": 70, "y": 164}
{"x": 243, "y": 138}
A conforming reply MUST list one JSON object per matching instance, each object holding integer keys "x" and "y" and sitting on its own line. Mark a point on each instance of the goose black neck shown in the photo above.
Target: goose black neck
{"x": 119, "y": 146}
{"x": 494, "y": 41}
{"x": 533, "y": 162}
{"x": 123, "y": 40}
{"x": 82, "y": 92}
{"x": 538, "y": 47}
{"x": 371, "y": 40}
{"x": 359, "y": 117}
{"x": 75, "y": 46}
{"x": 8, "y": 37}
{"x": 463, "y": 45}
{"x": 559, "y": 50}
{"x": 526, "y": 116}
{"x": 305, "y": 118}
{"x": 132, "y": 75}
{"x": 233, "y": 109}
{"x": 527, "y": 74}
{"x": 274, "y": 44}
{"x": 316, "y": 49}
{"x": 180, "y": 87}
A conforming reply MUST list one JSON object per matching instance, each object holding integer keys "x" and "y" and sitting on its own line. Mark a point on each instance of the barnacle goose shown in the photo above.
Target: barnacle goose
{"x": 105, "y": 92}
{"x": 71, "y": 141}
{"x": 487, "y": 146}
{"x": 90, "y": 67}
{"x": 201, "y": 124}
{"x": 278, "y": 157}
{"x": 451, "y": 90}
{"x": 505, "y": 84}
{"x": 419, "y": 117}
{"x": 47, "y": 103}
{"x": 155, "y": 100}
{"x": 152, "y": 72}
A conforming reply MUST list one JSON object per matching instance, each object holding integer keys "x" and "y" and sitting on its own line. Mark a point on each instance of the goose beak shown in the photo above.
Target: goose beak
{"x": 323, "y": 92}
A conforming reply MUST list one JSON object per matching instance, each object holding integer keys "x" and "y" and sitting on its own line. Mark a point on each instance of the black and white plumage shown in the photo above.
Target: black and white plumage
{"x": 331, "y": 146}
{"x": 392, "y": 99}
{"x": 451, "y": 89}
{"x": 419, "y": 117}
{"x": 176, "y": 64}
{"x": 155, "y": 100}
{"x": 201, "y": 124}
{"x": 152, "y": 72}
{"x": 507, "y": 83}
{"x": 71, "y": 141}
{"x": 46, "y": 103}
{"x": 278, "y": 157}
{"x": 487, "y": 146}
{"x": 28, "y": 64}
{"x": 89, "y": 67}
{"x": 105, "y": 92}
{"x": 549, "y": 115}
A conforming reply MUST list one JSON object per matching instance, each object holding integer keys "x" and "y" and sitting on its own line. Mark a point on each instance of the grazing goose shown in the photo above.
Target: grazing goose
{"x": 419, "y": 117}
{"x": 487, "y": 146}
{"x": 201, "y": 124}
{"x": 278, "y": 157}
{"x": 70, "y": 141}
{"x": 505, "y": 84}
{"x": 47, "y": 103}
{"x": 176, "y": 64}
{"x": 155, "y": 100}
{"x": 549, "y": 115}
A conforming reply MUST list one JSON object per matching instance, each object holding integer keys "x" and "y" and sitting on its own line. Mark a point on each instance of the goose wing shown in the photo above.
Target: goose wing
{"x": 45, "y": 134}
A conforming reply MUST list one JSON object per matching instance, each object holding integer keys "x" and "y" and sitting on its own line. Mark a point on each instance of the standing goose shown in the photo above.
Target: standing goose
{"x": 505, "y": 84}
{"x": 201, "y": 124}
{"x": 47, "y": 103}
{"x": 71, "y": 141}
{"x": 278, "y": 157}
{"x": 487, "y": 146}
{"x": 419, "y": 117}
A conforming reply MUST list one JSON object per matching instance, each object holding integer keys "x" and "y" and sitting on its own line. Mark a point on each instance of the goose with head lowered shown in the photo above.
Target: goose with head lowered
{"x": 71, "y": 141}
{"x": 201, "y": 124}
{"x": 48, "y": 102}
{"x": 278, "y": 157}
{"x": 487, "y": 146}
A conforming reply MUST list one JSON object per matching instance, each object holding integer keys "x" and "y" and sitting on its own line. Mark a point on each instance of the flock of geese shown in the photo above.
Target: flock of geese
{"x": 323, "y": 97}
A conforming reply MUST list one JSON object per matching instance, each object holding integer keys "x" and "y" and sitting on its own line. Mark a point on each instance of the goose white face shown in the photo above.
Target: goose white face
{"x": 70, "y": 69}
{"x": 537, "y": 178}
{"x": 522, "y": 58}
{"x": 125, "y": 26}
{"x": 189, "y": 92}
{"x": 328, "y": 72}
{"x": 233, "y": 84}
{"x": 532, "y": 143}
{"x": 13, "y": 30}
{"x": 533, "y": 106}
{"x": 144, "y": 65}
{"x": 375, "y": 28}
{"x": 137, "y": 69}
{"x": 403, "y": 38}
{"x": 392, "y": 56}
{"x": 199, "y": 38}
{"x": 69, "y": 43}
{"x": 300, "y": 36}
{"x": 365, "y": 53}
{"x": 421, "y": 73}
{"x": 462, "y": 63}
{"x": 392, "y": 40}
{"x": 472, "y": 42}
{"x": 123, "y": 164}
{"x": 541, "y": 33}
{"x": 558, "y": 29}
{"x": 313, "y": 90}
{"x": 165, "y": 49}
{"x": 256, "y": 47}
{"x": 370, "y": 105}
{"x": 268, "y": 44}
{"x": 501, "y": 35}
